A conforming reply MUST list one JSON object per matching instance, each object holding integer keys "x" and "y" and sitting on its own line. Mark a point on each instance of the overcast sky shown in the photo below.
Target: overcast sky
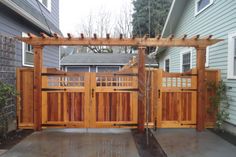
{"x": 73, "y": 12}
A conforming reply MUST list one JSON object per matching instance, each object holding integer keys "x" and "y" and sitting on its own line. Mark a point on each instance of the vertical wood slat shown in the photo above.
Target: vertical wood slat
{"x": 44, "y": 100}
{"x": 18, "y": 99}
{"x": 155, "y": 96}
{"x": 92, "y": 107}
{"x": 160, "y": 104}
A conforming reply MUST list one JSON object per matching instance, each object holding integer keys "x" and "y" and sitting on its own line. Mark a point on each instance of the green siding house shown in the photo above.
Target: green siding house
{"x": 204, "y": 17}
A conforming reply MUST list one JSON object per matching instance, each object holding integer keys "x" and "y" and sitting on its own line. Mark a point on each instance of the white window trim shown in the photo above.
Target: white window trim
{"x": 23, "y": 52}
{"x": 167, "y": 57}
{"x": 49, "y": 7}
{"x": 231, "y": 47}
{"x": 106, "y": 66}
{"x": 196, "y": 4}
{"x": 78, "y": 66}
{"x": 189, "y": 50}
{"x": 207, "y": 56}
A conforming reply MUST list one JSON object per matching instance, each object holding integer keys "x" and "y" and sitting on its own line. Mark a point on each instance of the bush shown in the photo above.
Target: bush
{"x": 220, "y": 103}
{"x": 7, "y": 93}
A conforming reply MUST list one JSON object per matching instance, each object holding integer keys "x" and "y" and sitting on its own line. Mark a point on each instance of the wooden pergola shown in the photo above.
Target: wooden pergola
{"x": 200, "y": 44}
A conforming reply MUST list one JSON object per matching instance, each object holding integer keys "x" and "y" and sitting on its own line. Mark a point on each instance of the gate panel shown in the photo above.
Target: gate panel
{"x": 113, "y": 106}
{"x": 25, "y": 102}
{"x": 59, "y": 103}
{"x": 66, "y": 99}
{"x": 177, "y": 99}
{"x": 114, "y": 100}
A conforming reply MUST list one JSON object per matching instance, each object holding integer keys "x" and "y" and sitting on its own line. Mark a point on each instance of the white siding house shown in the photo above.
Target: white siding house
{"x": 205, "y": 17}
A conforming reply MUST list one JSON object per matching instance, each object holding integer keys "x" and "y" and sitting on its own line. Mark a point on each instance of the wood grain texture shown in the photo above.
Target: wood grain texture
{"x": 173, "y": 101}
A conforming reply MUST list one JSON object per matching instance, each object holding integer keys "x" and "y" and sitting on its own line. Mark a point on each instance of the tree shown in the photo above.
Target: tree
{"x": 102, "y": 23}
{"x": 99, "y": 24}
{"x": 158, "y": 12}
{"x": 124, "y": 25}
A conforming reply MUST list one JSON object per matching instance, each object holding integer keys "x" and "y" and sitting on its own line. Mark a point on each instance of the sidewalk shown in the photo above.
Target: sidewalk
{"x": 189, "y": 143}
{"x": 76, "y": 143}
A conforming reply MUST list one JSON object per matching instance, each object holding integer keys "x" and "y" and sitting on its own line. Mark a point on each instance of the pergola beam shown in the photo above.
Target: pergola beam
{"x": 152, "y": 42}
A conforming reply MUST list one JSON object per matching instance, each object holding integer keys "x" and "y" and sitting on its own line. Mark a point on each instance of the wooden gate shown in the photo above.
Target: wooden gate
{"x": 177, "y": 99}
{"x": 81, "y": 100}
{"x": 109, "y": 100}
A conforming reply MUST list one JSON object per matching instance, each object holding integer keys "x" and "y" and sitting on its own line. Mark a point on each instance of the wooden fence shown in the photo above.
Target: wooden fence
{"x": 93, "y": 100}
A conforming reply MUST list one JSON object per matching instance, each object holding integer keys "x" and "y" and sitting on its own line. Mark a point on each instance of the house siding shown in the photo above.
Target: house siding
{"x": 12, "y": 25}
{"x": 52, "y": 15}
{"x": 218, "y": 20}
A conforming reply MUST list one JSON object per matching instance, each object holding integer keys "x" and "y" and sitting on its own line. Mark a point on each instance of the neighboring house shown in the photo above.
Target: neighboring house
{"x": 204, "y": 17}
{"x": 18, "y": 17}
{"x": 99, "y": 62}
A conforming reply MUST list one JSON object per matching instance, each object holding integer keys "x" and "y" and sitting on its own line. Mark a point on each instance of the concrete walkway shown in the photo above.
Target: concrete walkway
{"x": 189, "y": 143}
{"x": 76, "y": 143}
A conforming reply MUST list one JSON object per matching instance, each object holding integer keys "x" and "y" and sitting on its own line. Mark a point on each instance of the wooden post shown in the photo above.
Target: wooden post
{"x": 38, "y": 63}
{"x": 201, "y": 59}
{"x": 141, "y": 87}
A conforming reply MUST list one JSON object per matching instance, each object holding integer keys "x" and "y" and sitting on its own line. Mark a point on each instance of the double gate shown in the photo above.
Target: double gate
{"x": 87, "y": 100}
{"x": 110, "y": 100}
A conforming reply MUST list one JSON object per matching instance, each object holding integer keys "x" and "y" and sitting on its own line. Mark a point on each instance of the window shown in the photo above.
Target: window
{"x": 107, "y": 68}
{"x": 78, "y": 68}
{"x": 46, "y": 4}
{"x": 186, "y": 60}
{"x": 27, "y": 53}
{"x": 201, "y": 5}
{"x": 167, "y": 64}
{"x": 232, "y": 56}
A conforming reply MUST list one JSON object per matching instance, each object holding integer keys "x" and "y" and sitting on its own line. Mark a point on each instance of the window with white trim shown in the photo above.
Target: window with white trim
{"x": 232, "y": 56}
{"x": 201, "y": 5}
{"x": 186, "y": 60}
{"x": 167, "y": 64}
{"x": 27, "y": 53}
{"x": 46, "y": 4}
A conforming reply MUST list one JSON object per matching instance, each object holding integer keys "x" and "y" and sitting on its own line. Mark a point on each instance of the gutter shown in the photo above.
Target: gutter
{"x": 168, "y": 17}
{"x": 24, "y": 14}
{"x": 158, "y": 50}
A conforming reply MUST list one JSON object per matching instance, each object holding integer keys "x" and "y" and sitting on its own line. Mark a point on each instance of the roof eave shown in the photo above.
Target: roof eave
{"x": 25, "y": 14}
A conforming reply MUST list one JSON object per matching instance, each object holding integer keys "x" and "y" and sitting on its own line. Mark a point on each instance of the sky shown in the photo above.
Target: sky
{"x": 74, "y": 12}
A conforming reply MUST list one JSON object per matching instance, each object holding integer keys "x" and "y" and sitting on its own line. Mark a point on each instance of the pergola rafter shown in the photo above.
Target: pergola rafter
{"x": 38, "y": 42}
{"x": 57, "y": 40}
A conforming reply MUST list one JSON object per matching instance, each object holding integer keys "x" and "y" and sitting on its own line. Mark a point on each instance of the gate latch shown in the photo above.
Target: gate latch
{"x": 92, "y": 92}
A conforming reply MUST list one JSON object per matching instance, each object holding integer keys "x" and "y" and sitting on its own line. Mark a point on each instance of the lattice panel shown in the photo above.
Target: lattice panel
{"x": 178, "y": 82}
{"x": 69, "y": 81}
{"x": 113, "y": 81}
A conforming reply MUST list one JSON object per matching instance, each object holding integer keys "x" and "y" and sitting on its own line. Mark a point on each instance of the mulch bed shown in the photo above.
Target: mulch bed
{"x": 225, "y": 135}
{"x": 153, "y": 149}
{"x": 13, "y": 138}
